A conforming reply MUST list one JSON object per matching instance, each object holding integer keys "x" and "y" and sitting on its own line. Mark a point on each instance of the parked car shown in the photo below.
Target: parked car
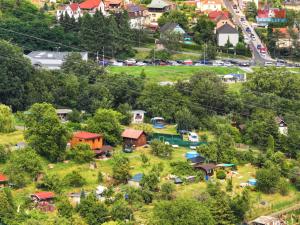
{"x": 141, "y": 64}
{"x": 268, "y": 63}
{"x": 243, "y": 19}
{"x": 227, "y": 64}
{"x": 117, "y": 63}
{"x": 218, "y": 63}
{"x": 173, "y": 63}
{"x": 193, "y": 137}
{"x": 234, "y": 6}
{"x": 244, "y": 64}
{"x": 258, "y": 46}
{"x": 205, "y": 62}
{"x": 188, "y": 62}
{"x": 248, "y": 30}
{"x": 130, "y": 62}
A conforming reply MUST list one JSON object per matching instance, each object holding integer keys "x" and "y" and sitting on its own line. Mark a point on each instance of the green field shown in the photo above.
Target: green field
{"x": 172, "y": 73}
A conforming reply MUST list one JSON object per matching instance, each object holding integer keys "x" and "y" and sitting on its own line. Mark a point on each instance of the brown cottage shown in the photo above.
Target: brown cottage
{"x": 134, "y": 137}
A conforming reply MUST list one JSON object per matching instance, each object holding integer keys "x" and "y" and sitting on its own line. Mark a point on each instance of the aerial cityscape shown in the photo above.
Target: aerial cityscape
{"x": 149, "y": 112}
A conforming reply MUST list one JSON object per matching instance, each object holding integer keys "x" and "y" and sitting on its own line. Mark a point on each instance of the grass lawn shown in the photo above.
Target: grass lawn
{"x": 11, "y": 138}
{"x": 171, "y": 73}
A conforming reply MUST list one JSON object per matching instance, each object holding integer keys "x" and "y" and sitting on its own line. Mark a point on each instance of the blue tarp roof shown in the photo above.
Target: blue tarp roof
{"x": 138, "y": 177}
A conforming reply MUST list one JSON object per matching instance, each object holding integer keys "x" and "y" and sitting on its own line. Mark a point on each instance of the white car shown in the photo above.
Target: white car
{"x": 116, "y": 63}
{"x": 130, "y": 61}
{"x": 193, "y": 137}
{"x": 140, "y": 64}
{"x": 227, "y": 64}
{"x": 218, "y": 63}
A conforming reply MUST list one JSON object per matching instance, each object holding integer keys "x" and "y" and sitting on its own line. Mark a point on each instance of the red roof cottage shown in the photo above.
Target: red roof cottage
{"x": 3, "y": 180}
{"x": 134, "y": 137}
{"x": 95, "y": 141}
{"x": 42, "y": 196}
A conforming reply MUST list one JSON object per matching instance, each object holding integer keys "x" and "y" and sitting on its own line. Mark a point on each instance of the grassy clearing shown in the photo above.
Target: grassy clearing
{"x": 11, "y": 138}
{"x": 171, "y": 73}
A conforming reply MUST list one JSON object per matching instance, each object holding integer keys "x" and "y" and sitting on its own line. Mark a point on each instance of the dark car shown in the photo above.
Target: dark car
{"x": 234, "y": 6}
{"x": 244, "y": 64}
{"x": 258, "y": 47}
{"x": 205, "y": 62}
{"x": 248, "y": 30}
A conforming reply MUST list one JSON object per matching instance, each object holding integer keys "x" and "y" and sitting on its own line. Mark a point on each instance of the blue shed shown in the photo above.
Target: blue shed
{"x": 191, "y": 154}
{"x": 252, "y": 181}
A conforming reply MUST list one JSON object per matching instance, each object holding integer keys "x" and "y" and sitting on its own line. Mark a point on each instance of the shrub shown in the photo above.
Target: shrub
{"x": 82, "y": 153}
{"x": 74, "y": 179}
{"x": 221, "y": 174}
{"x": 267, "y": 179}
{"x": 161, "y": 149}
{"x": 3, "y": 154}
{"x": 100, "y": 177}
{"x": 166, "y": 191}
{"x": 283, "y": 187}
{"x": 51, "y": 183}
{"x": 121, "y": 211}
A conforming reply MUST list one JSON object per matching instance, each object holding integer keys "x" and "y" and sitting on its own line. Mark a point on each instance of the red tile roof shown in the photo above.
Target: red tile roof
{"x": 86, "y": 135}
{"x": 131, "y": 133}
{"x": 113, "y": 2}
{"x": 44, "y": 195}
{"x": 89, "y": 4}
{"x": 74, "y": 6}
{"x": 3, "y": 178}
{"x": 271, "y": 13}
{"x": 216, "y": 14}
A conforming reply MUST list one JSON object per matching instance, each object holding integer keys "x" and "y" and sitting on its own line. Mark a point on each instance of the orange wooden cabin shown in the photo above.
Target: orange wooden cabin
{"x": 95, "y": 141}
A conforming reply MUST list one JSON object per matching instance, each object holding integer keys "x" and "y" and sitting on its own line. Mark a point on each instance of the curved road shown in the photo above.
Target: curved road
{"x": 257, "y": 56}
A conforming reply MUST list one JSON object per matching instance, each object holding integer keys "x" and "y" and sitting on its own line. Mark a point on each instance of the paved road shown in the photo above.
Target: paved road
{"x": 256, "y": 55}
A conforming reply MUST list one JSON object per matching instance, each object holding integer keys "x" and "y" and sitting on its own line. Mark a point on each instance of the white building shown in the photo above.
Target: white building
{"x": 209, "y": 5}
{"x": 77, "y": 10}
{"x": 282, "y": 126}
{"x": 227, "y": 33}
{"x": 138, "y": 116}
{"x": 51, "y": 60}
{"x": 139, "y": 17}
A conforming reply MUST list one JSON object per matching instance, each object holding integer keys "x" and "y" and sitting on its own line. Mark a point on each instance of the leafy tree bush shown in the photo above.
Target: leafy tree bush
{"x": 120, "y": 211}
{"x": 239, "y": 205}
{"x": 7, "y": 206}
{"x": 93, "y": 211}
{"x": 161, "y": 149}
{"x": 7, "y": 123}
{"x": 100, "y": 177}
{"x": 23, "y": 166}
{"x": 44, "y": 132}
{"x": 283, "y": 187}
{"x": 182, "y": 211}
{"x": 64, "y": 207}
{"x": 4, "y": 154}
{"x": 221, "y": 174}
{"x": 121, "y": 168}
{"x": 174, "y": 16}
{"x": 185, "y": 120}
{"x": 51, "y": 183}
{"x": 106, "y": 122}
{"x": 150, "y": 181}
{"x": 267, "y": 179}
{"x": 160, "y": 54}
{"x": 74, "y": 179}
{"x": 229, "y": 185}
{"x": 183, "y": 168}
{"x": 166, "y": 191}
{"x": 144, "y": 158}
{"x": 82, "y": 153}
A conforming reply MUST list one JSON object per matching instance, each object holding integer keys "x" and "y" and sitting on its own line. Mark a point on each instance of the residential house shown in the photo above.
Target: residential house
{"x": 95, "y": 141}
{"x": 282, "y": 126}
{"x": 77, "y": 10}
{"x": 266, "y": 16}
{"x": 213, "y": 15}
{"x": 72, "y": 10}
{"x": 51, "y": 60}
{"x": 139, "y": 17}
{"x": 3, "y": 180}
{"x": 171, "y": 28}
{"x": 134, "y": 137}
{"x": 266, "y": 220}
{"x": 157, "y": 7}
{"x": 63, "y": 114}
{"x": 135, "y": 180}
{"x": 209, "y": 5}
{"x": 138, "y": 116}
{"x": 285, "y": 39}
{"x": 227, "y": 33}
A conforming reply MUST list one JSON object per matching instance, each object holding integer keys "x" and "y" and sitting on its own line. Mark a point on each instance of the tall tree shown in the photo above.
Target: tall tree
{"x": 174, "y": 16}
{"x": 44, "y": 132}
{"x": 7, "y": 123}
{"x": 107, "y": 122}
{"x": 14, "y": 74}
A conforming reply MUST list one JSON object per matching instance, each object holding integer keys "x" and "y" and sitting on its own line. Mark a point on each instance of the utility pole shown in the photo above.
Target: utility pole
{"x": 103, "y": 57}
{"x": 154, "y": 52}
{"x": 97, "y": 57}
